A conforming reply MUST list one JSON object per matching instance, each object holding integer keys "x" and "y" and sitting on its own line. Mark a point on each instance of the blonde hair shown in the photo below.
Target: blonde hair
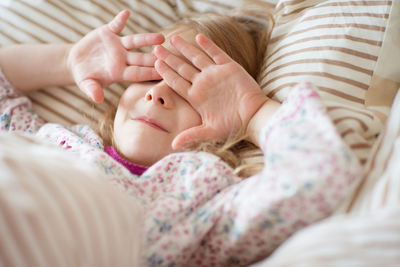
{"x": 244, "y": 37}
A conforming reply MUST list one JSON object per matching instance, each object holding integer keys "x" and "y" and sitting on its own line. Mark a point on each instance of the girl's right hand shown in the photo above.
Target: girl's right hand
{"x": 102, "y": 57}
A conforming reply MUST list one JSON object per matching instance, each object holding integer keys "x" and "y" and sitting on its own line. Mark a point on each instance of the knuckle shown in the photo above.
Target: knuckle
{"x": 196, "y": 60}
{"x": 175, "y": 82}
{"x": 133, "y": 40}
{"x": 181, "y": 69}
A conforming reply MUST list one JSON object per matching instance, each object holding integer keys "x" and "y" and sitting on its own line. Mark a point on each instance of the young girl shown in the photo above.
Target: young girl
{"x": 102, "y": 58}
{"x": 197, "y": 211}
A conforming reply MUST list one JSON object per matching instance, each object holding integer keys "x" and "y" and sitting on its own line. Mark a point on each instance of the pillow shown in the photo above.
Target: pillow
{"x": 348, "y": 50}
{"x": 380, "y": 187}
{"x": 30, "y": 21}
{"x": 219, "y": 6}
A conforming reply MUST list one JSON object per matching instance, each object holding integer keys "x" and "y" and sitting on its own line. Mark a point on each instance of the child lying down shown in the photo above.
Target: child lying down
{"x": 173, "y": 143}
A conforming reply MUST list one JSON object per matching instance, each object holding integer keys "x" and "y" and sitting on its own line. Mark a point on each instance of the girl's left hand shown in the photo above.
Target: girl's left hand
{"x": 222, "y": 91}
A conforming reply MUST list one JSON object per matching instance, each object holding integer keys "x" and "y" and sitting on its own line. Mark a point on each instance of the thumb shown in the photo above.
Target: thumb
{"x": 92, "y": 89}
{"x": 198, "y": 133}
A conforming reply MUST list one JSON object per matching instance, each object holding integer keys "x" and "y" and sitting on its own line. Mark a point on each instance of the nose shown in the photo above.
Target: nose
{"x": 160, "y": 94}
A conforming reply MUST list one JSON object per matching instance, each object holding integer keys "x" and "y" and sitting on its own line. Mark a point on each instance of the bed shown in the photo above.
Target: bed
{"x": 348, "y": 49}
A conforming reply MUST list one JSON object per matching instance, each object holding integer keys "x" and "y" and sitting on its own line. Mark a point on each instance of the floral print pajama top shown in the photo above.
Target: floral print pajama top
{"x": 197, "y": 211}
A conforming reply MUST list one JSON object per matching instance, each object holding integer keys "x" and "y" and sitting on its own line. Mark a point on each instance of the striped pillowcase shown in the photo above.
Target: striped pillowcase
{"x": 340, "y": 46}
{"x": 215, "y": 6}
{"x": 380, "y": 187}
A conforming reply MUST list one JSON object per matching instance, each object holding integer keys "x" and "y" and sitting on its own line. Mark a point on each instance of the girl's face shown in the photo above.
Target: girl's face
{"x": 149, "y": 116}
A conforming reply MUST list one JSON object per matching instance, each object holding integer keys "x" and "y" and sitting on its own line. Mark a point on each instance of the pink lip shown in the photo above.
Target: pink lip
{"x": 151, "y": 123}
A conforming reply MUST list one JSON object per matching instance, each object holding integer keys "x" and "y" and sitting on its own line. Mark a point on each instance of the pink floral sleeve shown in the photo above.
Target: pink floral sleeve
{"x": 16, "y": 110}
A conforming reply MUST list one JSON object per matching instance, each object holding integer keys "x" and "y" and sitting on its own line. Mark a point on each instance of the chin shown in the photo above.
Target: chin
{"x": 139, "y": 149}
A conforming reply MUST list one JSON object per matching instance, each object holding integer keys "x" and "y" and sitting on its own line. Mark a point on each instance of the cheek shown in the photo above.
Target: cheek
{"x": 118, "y": 118}
{"x": 127, "y": 104}
{"x": 190, "y": 119}
{"x": 117, "y": 127}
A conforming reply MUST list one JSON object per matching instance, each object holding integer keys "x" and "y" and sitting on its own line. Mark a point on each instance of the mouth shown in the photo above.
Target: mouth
{"x": 150, "y": 122}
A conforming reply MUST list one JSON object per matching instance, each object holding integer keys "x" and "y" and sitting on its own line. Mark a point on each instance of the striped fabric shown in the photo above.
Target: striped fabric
{"x": 218, "y": 6}
{"x": 335, "y": 44}
{"x": 381, "y": 184}
{"x": 57, "y": 211}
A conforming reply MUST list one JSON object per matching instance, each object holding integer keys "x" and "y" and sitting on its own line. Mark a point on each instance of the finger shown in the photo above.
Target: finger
{"x": 187, "y": 71}
{"x": 141, "y": 59}
{"x": 173, "y": 79}
{"x": 140, "y": 74}
{"x": 92, "y": 89}
{"x": 217, "y": 54}
{"x": 198, "y": 58}
{"x": 139, "y": 40}
{"x": 195, "y": 134}
{"x": 118, "y": 22}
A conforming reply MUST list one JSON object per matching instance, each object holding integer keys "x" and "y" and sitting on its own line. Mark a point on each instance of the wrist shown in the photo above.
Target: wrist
{"x": 67, "y": 64}
{"x": 260, "y": 119}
